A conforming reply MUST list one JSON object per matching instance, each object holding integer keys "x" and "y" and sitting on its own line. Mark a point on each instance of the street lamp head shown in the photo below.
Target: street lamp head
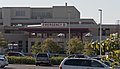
{"x": 93, "y": 43}
{"x": 60, "y": 35}
{"x": 88, "y": 35}
{"x": 99, "y": 9}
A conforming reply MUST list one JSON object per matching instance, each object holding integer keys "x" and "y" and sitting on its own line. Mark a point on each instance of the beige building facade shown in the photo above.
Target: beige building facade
{"x": 20, "y": 25}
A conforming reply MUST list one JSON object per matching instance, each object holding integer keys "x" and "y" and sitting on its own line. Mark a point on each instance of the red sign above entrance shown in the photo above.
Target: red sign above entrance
{"x": 53, "y": 24}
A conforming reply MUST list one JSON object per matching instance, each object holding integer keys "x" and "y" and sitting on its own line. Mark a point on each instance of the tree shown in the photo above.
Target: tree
{"x": 36, "y": 48}
{"x": 3, "y": 43}
{"x": 76, "y": 46}
{"x": 88, "y": 49}
{"x": 50, "y": 46}
{"x": 112, "y": 45}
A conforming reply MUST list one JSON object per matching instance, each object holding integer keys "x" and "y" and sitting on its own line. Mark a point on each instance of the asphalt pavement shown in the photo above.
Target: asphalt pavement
{"x": 23, "y": 66}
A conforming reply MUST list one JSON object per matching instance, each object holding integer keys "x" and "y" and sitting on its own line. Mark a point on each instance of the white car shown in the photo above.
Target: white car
{"x": 3, "y": 61}
{"x": 82, "y": 63}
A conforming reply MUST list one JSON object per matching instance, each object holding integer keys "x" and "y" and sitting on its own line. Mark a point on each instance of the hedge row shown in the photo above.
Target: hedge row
{"x": 56, "y": 60}
{"x": 20, "y": 60}
{"x": 31, "y": 60}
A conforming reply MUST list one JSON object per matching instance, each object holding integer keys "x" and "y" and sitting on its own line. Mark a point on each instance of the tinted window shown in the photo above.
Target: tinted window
{"x": 107, "y": 63}
{"x": 42, "y": 55}
{"x": 12, "y": 54}
{"x": 96, "y": 64}
{"x": 86, "y": 63}
{"x": 78, "y": 62}
{"x": 1, "y": 59}
{"x": 80, "y": 56}
{"x": 73, "y": 62}
{"x": 97, "y": 58}
{"x": 15, "y": 54}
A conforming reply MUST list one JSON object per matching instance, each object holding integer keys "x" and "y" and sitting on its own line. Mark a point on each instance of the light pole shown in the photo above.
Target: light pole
{"x": 117, "y": 30}
{"x": 61, "y": 35}
{"x": 100, "y": 10}
{"x": 69, "y": 31}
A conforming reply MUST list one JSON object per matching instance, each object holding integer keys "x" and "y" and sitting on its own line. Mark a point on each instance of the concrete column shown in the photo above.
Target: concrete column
{"x": 6, "y": 16}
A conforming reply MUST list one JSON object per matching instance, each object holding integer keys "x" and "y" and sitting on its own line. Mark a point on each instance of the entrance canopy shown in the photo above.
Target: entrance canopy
{"x": 36, "y": 29}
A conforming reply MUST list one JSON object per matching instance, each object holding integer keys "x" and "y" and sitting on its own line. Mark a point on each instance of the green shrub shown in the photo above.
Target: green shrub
{"x": 56, "y": 60}
{"x": 31, "y": 60}
{"x": 20, "y": 60}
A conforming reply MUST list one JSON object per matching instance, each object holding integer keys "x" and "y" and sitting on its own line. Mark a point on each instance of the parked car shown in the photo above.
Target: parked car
{"x": 117, "y": 67}
{"x": 3, "y": 61}
{"x": 82, "y": 63}
{"x": 15, "y": 54}
{"x": 111, "y": 63}
{"x": 42, "y": 58}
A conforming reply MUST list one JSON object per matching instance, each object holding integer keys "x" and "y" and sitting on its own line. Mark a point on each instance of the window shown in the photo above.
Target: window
{"x": 42, "y": 55}
{"x": 20, "y": 42}
{"x": 20, "y": 45}
{"x": 39, "y": 34}
{"x": 105, "y": 31}
{"x": 96, "y": 64}
{"x": 20, "y": 13}
{"x": 99, "y": 31}
{"x": 74, "y": 35}
{"x": 7, "y": 31}
{"x": 15, "y": 54}
{"x": 32, "y": 43}
{"x": 85, "y": 62}
{"x": 78, "y": 62}
{"x": 45, "y": 35}
{"x": 1, "y": 23}
{"x": 26, "y": 46}
{"x": 49, "y": 35}
{"x": 72, "y": 62}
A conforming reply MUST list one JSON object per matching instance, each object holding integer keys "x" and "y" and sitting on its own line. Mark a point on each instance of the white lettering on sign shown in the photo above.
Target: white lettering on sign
{"x": 53, "y": 24}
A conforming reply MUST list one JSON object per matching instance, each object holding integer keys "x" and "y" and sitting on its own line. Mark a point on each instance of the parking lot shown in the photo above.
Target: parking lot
{"x": 22, "y": 66}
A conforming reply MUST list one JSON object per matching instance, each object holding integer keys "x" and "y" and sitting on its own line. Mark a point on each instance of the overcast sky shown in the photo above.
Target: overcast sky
{"x": 88, "y": 8}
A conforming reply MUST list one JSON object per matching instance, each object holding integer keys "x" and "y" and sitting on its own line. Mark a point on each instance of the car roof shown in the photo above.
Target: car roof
{"x": 2, "y": 56}
{"x": 42, "y": 54}
{"x": 78, "y": 55}
{"x": 80, "y": 58}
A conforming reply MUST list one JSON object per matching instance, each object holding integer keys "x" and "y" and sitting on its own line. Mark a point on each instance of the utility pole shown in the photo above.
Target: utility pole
{"x": 117, "y": 33}
{"x": 69, "y": 31}
{"x": 100, "y": 28}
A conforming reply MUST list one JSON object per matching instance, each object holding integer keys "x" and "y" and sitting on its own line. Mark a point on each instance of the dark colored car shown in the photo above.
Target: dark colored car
{"x": 42, "y": 58}
{"x": 15, "y": 54}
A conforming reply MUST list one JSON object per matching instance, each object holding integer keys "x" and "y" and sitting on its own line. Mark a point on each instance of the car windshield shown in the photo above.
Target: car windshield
{"x": 2, "y": 56}
{"x": 42, "y": 55}
{"x": 15, "y": 54}
{"x": 107, "y": 63}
